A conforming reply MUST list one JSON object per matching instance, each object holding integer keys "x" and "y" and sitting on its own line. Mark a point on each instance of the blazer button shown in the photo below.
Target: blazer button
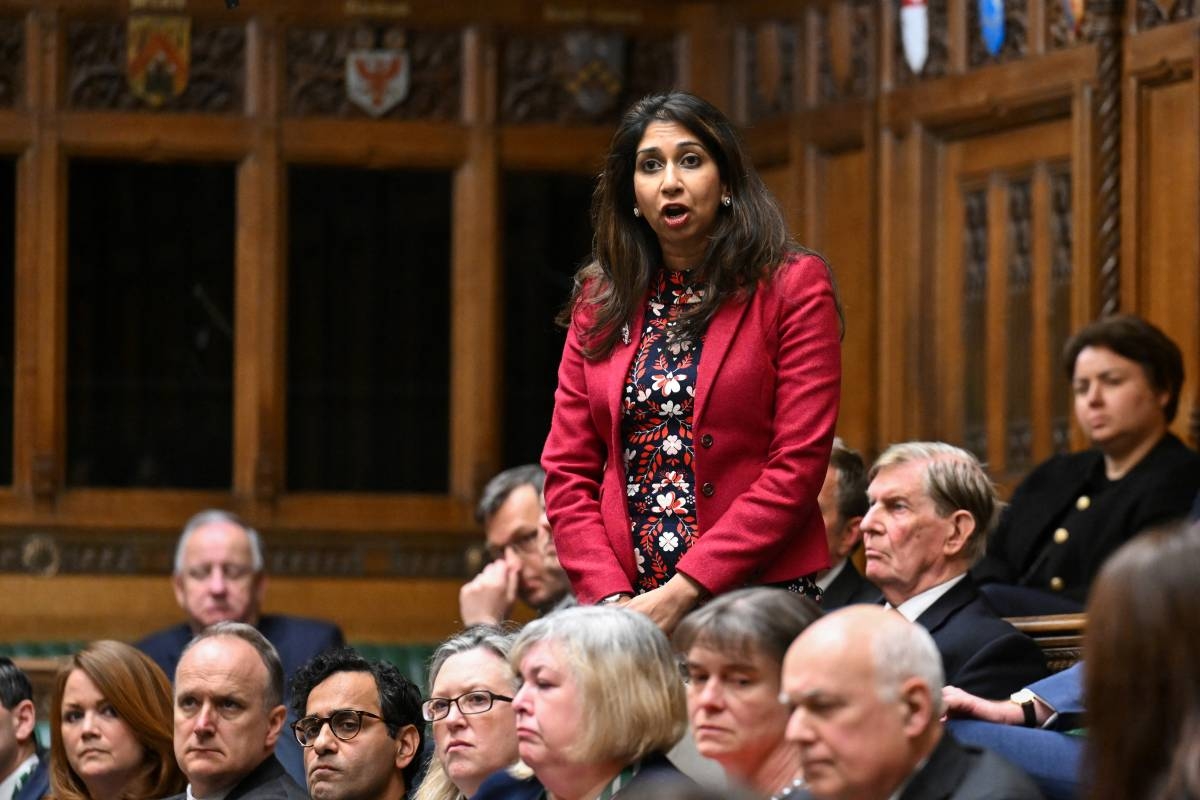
{"x": 1056, "y": 583}
{"x": 706, "y": 440}
{"x": 1061, "y": 535}
{"x": 707, "y": 490}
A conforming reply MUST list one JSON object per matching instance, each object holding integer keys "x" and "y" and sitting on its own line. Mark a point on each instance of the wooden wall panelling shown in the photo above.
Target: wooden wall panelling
{"x": 998, "y": 309}
{"x": 1043, "y": 360}
{"x": 45, "y": 169}
{"x": 475, "y": 289}
{"x": 261, "y": 273}
{"x": 1161, "y": 195}
{"x": 25, "y": 347}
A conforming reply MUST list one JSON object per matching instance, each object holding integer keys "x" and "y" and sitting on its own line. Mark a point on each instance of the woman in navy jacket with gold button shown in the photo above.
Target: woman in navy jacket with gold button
{"x": 698, "y": 388}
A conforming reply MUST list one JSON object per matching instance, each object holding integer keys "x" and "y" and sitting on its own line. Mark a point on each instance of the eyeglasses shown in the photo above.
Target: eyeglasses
{"x": 523, "y": 544}
{"x": 436, "y": 708}
{"x": 345, "y": 723}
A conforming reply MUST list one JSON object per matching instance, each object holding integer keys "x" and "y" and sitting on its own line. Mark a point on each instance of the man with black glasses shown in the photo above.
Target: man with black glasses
{"x": 360, "y": 726}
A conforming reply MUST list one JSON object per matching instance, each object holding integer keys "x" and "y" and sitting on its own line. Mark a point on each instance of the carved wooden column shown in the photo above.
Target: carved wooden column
{"x": 1104, "y": 29}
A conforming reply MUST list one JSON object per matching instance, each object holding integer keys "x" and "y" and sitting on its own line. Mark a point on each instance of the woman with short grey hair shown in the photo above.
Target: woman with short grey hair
{"x": 601, "y": 702}
{"x": 732, "y": 651}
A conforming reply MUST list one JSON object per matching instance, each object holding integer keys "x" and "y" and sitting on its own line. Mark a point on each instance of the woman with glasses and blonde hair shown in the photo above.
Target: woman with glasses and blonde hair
{"x": 111, "y": 727}
{"x": 471, "y": 687}
{"x": 601, "y": 702}
{"x": 733, "y": 652}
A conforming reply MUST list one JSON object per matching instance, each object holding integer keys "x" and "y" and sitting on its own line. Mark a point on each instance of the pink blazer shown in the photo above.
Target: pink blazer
{"x": 767, "y": 393}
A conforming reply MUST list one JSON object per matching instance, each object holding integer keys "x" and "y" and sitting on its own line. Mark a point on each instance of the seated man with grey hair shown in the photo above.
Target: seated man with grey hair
{"x": 931, "y": 506}
{"x": 864, "y": 689}
{"x": 229, "y": 713}
{"x": 523, "y": 562}
{"x": 219, "y": 577}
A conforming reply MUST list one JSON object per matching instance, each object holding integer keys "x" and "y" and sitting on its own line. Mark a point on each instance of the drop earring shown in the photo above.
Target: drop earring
{"x": 637, "y": 212}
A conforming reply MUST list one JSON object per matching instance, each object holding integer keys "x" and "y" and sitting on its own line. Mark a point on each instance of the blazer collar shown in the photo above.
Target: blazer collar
{"x": 946, "y": 606}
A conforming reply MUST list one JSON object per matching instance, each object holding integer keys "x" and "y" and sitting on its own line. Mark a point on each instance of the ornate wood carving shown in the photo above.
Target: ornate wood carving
{"x": 1019, "y": 433}
{"x": 96, "y": 77}
{"x": 287, "y": 554}
{"x": 1104, "y": 28}
{"x": 858, "y": 33}
{"x": 1062, "y": 29}
{"x": 1152, "y": 13}
{"x": 1016, "y": 34}
{"x": 770, "y": 69}
{"x": 938, "y": 61}
{"x": 12, "y": 62}
{"x": 537, "y": 70}
{"x": 316, "y": 70}
{"x": 1061, "y": 276}
{"x": 974, "y": 320}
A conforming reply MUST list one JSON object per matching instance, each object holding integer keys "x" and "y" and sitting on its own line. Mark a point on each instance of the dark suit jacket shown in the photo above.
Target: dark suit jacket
{"x": 1161, "y": 487}
{"x": 766, "y": 403}
{"x": 981, "y": 653}
{"x": 848, "y": 588}
{"x": 297, "y": 639}
{"x": 38, "y": 785}
{"x": 502, "y": 786}
{"x": 268, "y": 781}
{"x": 963, "y": 772}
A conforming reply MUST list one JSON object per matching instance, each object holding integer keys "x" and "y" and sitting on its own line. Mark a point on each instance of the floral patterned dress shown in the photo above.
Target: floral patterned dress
{"x": 656, "y": 425}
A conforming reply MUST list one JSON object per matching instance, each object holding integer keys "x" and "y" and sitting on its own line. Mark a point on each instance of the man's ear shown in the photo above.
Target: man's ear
{"x": 180, "y": 592}
{"x": 916, "y": 706}
{"x": 407, "y": 742}
{"x": 24, "y": 720}
{"x": 851, "y": 535}
{"x": 962, "y": 526}
{"x": 275, "y": 719}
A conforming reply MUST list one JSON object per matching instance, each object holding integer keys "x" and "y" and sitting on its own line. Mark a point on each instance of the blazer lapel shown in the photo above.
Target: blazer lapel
{"x": 612, "y": 372}
{"x": 959, "y": 595}
{"x": 717, "y": 340}
{"x": 941, "y": 775}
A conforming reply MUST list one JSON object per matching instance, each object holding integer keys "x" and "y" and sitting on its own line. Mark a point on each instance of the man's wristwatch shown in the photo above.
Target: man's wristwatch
{"x": 1024, "y": 699}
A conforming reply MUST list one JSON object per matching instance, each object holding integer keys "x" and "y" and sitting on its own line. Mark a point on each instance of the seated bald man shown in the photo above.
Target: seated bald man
{"x": 864, "y": 686}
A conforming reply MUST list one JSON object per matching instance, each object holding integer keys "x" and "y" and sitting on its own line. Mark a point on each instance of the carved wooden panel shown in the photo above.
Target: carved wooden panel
{"x": 1019, "y": 428}
{"x": 1061, "y": 275}
{"x": 96, "y": 69}
{"x": 845, "y": 50}
{"x": 287, "y": 554}
{"x": 317, "y": 71}
{"x": 937, "y": 63}
{"x": 12, "y": 62}
{"x": 770, "y": 69}
{"x": 974, "y": 321}
{"x": 1152, "y": 13}
{"x": 1016, "y": 34}
{"x": 1064, "y": 23}
{"x": 581, "y": 77}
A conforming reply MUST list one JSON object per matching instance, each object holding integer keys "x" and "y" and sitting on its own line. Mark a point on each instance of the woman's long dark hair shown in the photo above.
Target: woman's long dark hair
{"x": 748, "y": 242}
{"x": 1142, "y": 650}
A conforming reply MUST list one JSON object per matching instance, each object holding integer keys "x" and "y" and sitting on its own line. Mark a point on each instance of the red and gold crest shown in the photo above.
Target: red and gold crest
{"x": 158, "y": 53}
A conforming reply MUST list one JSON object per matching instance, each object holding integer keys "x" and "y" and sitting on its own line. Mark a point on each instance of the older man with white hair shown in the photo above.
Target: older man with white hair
{"x": 931, "y": 506}
{"x": 864, "y": 688}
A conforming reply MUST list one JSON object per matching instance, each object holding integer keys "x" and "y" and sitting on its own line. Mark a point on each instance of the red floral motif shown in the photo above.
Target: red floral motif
{"x": 658, "y": 409}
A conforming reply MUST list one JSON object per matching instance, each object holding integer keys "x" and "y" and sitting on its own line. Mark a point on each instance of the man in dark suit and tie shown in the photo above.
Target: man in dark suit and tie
{"x": 931, "y": 507}
{"x": 229, "y": 713}
{"x": 843, "y": 502}
{"x": 219, "y": 577}
{"x": 864, "y": 687}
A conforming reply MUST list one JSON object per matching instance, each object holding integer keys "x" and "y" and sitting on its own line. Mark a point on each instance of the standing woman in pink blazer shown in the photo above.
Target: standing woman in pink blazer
{"x": 698, "y": 388}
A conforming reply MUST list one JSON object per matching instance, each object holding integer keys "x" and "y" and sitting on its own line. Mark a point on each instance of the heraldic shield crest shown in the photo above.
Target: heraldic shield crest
{"x": 158, "y": 56}
{"x": 595, "y": 69}
{"x": 377, "y": 80}
{"x": 991, "y": 25}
